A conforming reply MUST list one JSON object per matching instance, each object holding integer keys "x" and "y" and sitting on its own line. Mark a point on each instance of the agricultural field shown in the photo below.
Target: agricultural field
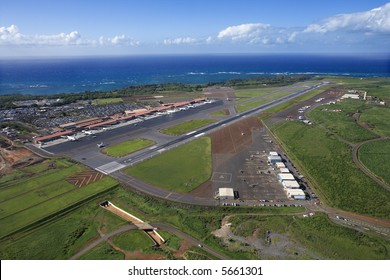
{"x": 29, "y": 200}
{"x": 186, "y": 127}
{"x": 127, "y": 147}
{"x": 376, "y": 157}
{"x": 327, "y": 163}
{"x": 376, "y": 118}
{"x": 338, "y": 119}
{"x": 182, "y": 169}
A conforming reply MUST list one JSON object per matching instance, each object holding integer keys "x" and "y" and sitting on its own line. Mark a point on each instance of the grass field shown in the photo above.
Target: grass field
{"x": 342, "y": 123}
{"x": 317, "y": 235}
{"x": 181, "y": 169}
{"x": 127, "y": 147}
{"x": 135, "y": 240}
{"x": 376, "y": 157}
{"x": 250, "y": 105}
{"x": 328, "y": 163}
{"x": 104, "y": 101}
{"x": 377, "y": 119}
{"x": 103, "y": 251}
{"x": 253, "y": 93}
{"x": 220, "y": 113}
{"x": 186, "y": 127}
{"x": 29, "y": 200}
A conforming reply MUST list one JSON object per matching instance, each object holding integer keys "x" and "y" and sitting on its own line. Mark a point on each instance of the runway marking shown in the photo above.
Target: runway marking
{"x": 153, "y": 147}
{"x": 221, "y": 177}
{"x": 198, "y": 135}
{"x": 192, "y": 132}
{"x": 161, "y": 150}
{"x": 110, "y": 167}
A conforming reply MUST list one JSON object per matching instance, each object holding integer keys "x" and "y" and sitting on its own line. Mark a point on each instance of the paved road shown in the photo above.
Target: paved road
{"x": 162, "y": 226}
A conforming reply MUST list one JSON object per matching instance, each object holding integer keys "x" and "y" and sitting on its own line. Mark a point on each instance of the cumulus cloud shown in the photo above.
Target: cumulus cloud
{"x": 376, "y": 21}
{"x": 118, "y": 40}
{"x": 243, "y": 31}
{"x": 180, "y": 41}
{"x": 12, "y": 36}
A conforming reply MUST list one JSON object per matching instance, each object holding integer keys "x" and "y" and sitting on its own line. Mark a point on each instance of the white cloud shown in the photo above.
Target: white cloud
{"x": 12, "y": 36}
{"x": 376, "y": 20}
{"x": 243, "y": 31}
{"x": 180, "y": 41}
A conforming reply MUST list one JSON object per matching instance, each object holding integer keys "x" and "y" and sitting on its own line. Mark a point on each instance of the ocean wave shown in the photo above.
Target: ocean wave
{"x": 107, "y": 83}
{"x": 226, "y": 73}
{"x": 196, "y": 73}
{"x": 38, "y": 86}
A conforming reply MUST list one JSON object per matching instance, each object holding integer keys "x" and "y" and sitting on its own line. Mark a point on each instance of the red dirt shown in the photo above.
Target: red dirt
{"x": 235, "y": 137}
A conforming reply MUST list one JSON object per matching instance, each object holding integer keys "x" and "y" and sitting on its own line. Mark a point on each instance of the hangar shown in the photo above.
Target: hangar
{"x": 225, "y": 193}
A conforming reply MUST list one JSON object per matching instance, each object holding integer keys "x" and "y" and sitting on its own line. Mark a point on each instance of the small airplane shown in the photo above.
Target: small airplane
{"x": 101, "y": 145}
{"x": 88, "y": 132}
{"x": 70, "y": 137}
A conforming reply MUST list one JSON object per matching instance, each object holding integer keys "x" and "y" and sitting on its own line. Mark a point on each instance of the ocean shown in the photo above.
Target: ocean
{"x": 45, "y": 76}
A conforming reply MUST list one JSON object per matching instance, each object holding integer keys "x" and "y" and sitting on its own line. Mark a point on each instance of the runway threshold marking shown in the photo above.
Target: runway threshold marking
{"x": 110, "y": 167}
{"x": 192, "y": 132}
{"x": 198, "y": 135}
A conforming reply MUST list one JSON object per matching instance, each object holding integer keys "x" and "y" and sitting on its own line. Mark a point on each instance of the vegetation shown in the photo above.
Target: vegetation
{"x": 220, "y": 113}
{"x": 375, "y": 156}
{"x": 104, "y": 101}
{"x": 252, "y": 93}
{"x": 186, "y": 127}
{"x": 317, "y": 235}
{"x": 245, "y": 106}
{"x": 342, "y": 123}
{"x": 377, "y": 119}
{"x": 103, "y": 251}
{"x": 135, "y": 240}
{"x": 328, "y": 164}
{"x": 127, "y": 147}
{"x": 27, "y": 201}
{"x": 181, "y": 169}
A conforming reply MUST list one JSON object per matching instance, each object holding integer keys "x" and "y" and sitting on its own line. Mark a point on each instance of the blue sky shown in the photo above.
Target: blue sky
{"x": 120, "y": 27}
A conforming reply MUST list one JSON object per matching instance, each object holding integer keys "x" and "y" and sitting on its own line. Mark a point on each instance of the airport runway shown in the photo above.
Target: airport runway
{"x": 86, "y": 151}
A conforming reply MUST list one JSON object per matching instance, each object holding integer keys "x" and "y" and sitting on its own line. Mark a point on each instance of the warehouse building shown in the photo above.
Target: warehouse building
{"x": 284, "y": 170}
{"x": 296, "y": 194}
{"x": 290, "y": 184}
{"x": 225, "y": 193}
{"x": 280, "y": 165}
{"x": 285, "y": 177}
{"x": 274, "y": 159}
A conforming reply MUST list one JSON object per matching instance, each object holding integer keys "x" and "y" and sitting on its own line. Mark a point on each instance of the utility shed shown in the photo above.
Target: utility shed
{"x": 225, "y": 193}
{"x": 280, "y": 165}
{"x": 274, "y": 159}
{"x": 284, "y": 170}
{"x": 290, "y": 184}
{"x": 285, "y": 176}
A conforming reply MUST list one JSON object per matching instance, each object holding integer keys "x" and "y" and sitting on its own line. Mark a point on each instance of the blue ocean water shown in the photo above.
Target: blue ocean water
{"x": 67, "y": 75}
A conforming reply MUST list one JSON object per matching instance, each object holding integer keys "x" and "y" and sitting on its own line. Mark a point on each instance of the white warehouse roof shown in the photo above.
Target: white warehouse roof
{"x": 273, "y": 154}
{"x": 290, "y": 184}
{"x": 284, "y": 170}
{"x": 280, "y": 165}
{"x": 285, "y": 176}
{"x": 226, "y": 193}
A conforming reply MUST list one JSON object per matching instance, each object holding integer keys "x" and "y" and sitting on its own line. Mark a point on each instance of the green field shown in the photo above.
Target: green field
{"x": 186, "y": 127}
{"x": 252, "y": 93}
{"x": 25, "y": 201}
{"x": 250, "y": 105}
{"x": 181, "y": 169}
{"x": 127, "y": 147}
{"x": 376, "y": 157}
{"x": 104, "y": 101}
{"x": 328, "y": 164}
{"x": 317, "y": 235}
{"x": 220, "y": 113}
{"x": 342, "y": 123}
{"x": 103, "y": 251}
{"x": 377, "y": 118}
{"x": 135, "y": 240}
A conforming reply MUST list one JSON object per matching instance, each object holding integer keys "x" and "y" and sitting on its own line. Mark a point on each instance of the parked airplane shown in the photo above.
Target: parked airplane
{"x": 101, "y": 145}
{"x": 70, "y": 138}
{"x": 88, "y": 132}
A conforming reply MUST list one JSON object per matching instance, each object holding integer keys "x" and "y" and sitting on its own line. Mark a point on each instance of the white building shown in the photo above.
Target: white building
{"x": 285, "y": 176}
{"x": 280, "y": 165}
{"x": 290, "y": 184}
{"x": 349, "y": 95}
{"x": 297, "y": 194}
{"x": 274, "y": 159}
{"x": 225, "y": 193}
{"x": 273, "y": 154}
{"x": 284, "y": 170}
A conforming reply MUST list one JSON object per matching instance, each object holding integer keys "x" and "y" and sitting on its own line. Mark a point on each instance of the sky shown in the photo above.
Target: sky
{"x": 134, "y": 27}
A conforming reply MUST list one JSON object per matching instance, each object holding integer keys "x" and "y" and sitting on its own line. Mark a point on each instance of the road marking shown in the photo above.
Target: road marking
{"x": 161, "y": 150}
{"x": 153, "y": 147}
{"x": 221, "y": 177}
